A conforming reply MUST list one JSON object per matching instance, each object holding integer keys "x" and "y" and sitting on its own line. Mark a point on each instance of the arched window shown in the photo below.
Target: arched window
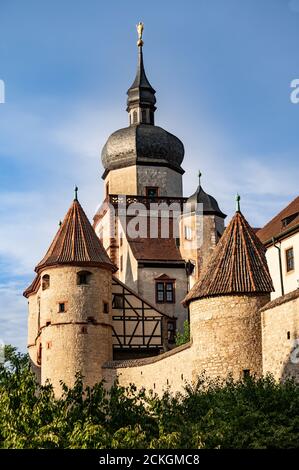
{"x": 143, "y": 114}
{"x": 83, "y": 277}
{"x": 45, "y": 282}
{"x": 151, "y": 117}
{"x": 135, "y": 117}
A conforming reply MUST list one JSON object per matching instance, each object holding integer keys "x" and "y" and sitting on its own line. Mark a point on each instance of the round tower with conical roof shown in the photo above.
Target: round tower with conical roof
{"x": 70, "y": 322}
{"x": 225, "y": 302}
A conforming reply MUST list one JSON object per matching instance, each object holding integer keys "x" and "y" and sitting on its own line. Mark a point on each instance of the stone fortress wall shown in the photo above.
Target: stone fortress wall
{"x": 280, "y": 336}
{"x": 170, "y": 370}
{"x": 229, "y": 335}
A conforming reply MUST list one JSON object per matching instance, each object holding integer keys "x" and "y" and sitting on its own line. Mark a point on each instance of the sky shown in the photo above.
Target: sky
{"x": 222, "y": 70}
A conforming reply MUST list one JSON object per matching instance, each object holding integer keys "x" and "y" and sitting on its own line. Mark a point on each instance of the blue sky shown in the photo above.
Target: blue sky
{"x": 222, "y": 70}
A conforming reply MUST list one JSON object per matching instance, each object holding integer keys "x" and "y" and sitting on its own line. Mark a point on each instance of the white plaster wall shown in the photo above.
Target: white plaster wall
{"x": 291, "y": 279}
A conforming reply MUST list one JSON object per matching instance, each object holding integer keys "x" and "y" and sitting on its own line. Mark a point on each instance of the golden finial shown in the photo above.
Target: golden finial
{"x": 140, "y": 28}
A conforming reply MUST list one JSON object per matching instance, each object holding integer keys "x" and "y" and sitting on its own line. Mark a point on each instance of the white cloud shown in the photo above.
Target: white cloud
{"x": 13, "y": 315}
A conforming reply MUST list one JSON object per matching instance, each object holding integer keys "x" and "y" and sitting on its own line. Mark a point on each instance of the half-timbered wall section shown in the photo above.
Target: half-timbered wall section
{"x": 139, "y": 329}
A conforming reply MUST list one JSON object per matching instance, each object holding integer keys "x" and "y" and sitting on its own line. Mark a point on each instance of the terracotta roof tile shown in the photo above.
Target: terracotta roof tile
{"x": 237, "y": 265}
{"x": 155, "y": 249}
{"x": 276, "y": 227}
{"x": 76, "y": 243}
{"x": 34, "y": 286}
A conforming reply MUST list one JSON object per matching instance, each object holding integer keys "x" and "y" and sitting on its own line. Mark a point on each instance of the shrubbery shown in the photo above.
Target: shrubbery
{"x": 246, "y": 414}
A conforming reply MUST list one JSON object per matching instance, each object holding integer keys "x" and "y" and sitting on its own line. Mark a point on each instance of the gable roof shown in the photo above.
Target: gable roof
{"x": 76, "y": 243}
{"x": 238, "y": 265}
{"x": 282, "y": 223}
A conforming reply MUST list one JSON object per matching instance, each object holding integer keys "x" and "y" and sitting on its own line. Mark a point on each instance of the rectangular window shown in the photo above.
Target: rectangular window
{"x": 118, "y": 301}
{"x": 246, "y": 373}
{"x": 160, "y": 291}
{"x": 165, "y": 292}
{"x": 169, "y": 292}
{"x": 61, "y": 307}
{"x": 188, "y": 232}
{"x": 171, "y": 332}
{"x": 107, "y": 188}
{"x": 152, "y": 191}
{"x": 290, "y": 259}
{"x": 105, "y": 307}
{"x": 121, "y": 263}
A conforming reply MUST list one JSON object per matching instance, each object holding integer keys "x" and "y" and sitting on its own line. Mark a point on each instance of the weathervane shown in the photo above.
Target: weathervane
{"x": 140, "y": 28}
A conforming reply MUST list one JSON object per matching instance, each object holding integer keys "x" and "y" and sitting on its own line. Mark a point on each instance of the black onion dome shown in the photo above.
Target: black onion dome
{"x": 142, "y": 144}
{"x": 209, "y": 203}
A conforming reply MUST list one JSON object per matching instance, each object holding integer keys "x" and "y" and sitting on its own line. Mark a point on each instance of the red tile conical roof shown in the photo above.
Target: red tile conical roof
{"x": 76, "y": 243}
{"x": 238, "y": 265}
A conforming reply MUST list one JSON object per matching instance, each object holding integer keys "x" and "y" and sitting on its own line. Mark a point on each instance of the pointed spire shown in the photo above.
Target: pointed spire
{"x": 76, "y": 193}
{"x": 76, "y": 243}
{"x": 141, "y": 95}
{"x": 237, "y": 266}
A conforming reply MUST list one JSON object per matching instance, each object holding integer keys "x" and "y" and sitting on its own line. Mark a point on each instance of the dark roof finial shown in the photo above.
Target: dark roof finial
{"x": 199, "y": 176}
{"x": 76, "y": 193}
{"x": 238, "y": 203}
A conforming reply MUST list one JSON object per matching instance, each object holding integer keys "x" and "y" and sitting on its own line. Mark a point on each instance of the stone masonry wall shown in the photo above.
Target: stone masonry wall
{"x": 226, "y": 335}
{"x": 168, "y": 181}
{"x": 169, "y": 370}
{"x": 280, "y": 336}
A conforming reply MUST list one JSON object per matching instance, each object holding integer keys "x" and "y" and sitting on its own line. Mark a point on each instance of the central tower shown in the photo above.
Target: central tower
{"x": 142, "y": 164}
{"x": 142, "y": 159}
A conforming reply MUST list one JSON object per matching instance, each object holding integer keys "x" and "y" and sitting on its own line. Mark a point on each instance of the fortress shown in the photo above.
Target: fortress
{"x": 108, "y": 299}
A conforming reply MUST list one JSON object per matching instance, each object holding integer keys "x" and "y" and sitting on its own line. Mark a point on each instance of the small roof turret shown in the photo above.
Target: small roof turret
{"x": 209, "y": 203}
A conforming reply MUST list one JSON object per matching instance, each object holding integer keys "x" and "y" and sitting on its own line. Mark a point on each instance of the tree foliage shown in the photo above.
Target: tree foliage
{"x": 182, "y": 338}
{"x": 246, "y": 414}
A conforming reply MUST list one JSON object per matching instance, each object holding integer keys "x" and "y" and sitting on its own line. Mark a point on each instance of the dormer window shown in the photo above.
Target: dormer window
{"x": 83, "y": 277}
{"x": 287, "y": 220}
{"x": 45, "y": 282}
